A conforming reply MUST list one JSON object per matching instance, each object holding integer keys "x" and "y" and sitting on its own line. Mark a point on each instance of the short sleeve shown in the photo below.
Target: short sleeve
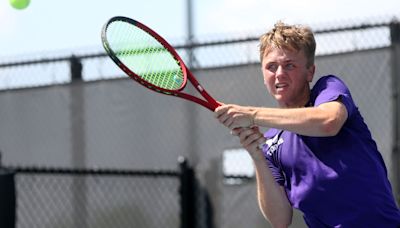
{"x": 331, "y": 88}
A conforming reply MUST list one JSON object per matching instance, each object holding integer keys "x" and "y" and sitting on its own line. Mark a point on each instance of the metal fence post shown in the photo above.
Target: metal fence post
{"x": 7, "y": 197}
{"x": 75, "y": 68}
{"x": 187, "y": 194}
{"x": 395, "y": 57}
{"x": 78, "y": 142}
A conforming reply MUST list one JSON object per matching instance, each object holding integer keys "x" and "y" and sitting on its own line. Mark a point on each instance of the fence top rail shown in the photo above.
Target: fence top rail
{"x": 195, "y": 44}
{"x": 76, "y": 171}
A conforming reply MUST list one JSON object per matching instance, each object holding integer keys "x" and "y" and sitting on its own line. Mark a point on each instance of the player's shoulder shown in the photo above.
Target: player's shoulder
{"x": 329, "y": 81}
{"x": 329, "y": 78}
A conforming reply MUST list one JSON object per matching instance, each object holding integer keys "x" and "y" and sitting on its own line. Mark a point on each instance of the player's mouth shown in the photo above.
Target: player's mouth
{"x": 281, "y": 86}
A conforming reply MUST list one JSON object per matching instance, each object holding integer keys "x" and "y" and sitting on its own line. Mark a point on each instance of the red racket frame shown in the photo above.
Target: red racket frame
{"x": 209, "y": 103}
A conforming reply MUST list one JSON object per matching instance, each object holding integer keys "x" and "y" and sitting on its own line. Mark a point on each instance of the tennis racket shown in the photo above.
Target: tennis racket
{"x": 150, "y": 60}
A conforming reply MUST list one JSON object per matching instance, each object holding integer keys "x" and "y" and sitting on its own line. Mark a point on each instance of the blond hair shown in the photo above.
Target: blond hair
{"x": 291, "y": 37}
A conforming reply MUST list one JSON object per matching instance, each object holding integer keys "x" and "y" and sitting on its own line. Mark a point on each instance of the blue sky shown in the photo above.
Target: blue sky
{"x": 64, "y": 26}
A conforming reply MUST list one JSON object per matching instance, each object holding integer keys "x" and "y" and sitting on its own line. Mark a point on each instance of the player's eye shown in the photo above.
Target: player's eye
{"x": 272, "y": 67}
{"x": 289, "y": 66}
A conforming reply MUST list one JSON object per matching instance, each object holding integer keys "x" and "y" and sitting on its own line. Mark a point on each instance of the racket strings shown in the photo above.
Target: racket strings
{"x": 144, "y": 55}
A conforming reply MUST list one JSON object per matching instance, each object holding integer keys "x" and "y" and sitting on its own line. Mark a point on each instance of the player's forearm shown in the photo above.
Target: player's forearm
{"x": 313, "y": 121}
{"x": 271, "y": 197}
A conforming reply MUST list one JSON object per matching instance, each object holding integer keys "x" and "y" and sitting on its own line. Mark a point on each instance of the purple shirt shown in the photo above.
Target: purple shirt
{"x": 338, "y": 181}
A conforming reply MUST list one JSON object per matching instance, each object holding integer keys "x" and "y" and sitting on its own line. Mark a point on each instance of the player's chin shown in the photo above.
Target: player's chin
{"x": 282, "y": 101}
{"x": 279, "y": 97}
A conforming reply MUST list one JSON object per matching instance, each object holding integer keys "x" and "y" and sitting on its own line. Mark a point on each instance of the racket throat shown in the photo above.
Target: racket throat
{"x": 200, "y": 88}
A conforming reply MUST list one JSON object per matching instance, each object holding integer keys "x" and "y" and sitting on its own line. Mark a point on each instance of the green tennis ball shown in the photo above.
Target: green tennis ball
{"x": 177, "y": 79}
{"x": 20, "y": 4}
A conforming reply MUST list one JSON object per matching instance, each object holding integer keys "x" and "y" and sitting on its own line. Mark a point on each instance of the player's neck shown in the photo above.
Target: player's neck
{"x": 304, "y": 101}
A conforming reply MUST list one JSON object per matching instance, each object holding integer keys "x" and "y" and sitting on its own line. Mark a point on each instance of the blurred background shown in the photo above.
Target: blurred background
{"x": 87, "y": 147}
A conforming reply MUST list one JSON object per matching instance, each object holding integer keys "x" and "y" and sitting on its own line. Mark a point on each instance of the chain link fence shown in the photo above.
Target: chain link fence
{"x": 61, "y": 198}
{"x": 97, "y": 200}
{"x": 82, "y": 112}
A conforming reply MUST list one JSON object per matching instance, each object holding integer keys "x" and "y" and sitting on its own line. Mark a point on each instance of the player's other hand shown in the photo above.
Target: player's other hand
{"x": 250, "y": 138}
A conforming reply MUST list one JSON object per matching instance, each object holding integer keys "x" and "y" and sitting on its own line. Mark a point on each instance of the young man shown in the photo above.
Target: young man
{"x": 318, "y": 154}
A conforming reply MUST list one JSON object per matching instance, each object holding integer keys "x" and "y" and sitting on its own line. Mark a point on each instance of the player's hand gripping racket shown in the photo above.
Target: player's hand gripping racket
{"x": 148, "y": 59}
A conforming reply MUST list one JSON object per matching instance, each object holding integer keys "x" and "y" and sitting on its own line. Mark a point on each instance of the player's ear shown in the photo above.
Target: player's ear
{"x": 310, "y": 73}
